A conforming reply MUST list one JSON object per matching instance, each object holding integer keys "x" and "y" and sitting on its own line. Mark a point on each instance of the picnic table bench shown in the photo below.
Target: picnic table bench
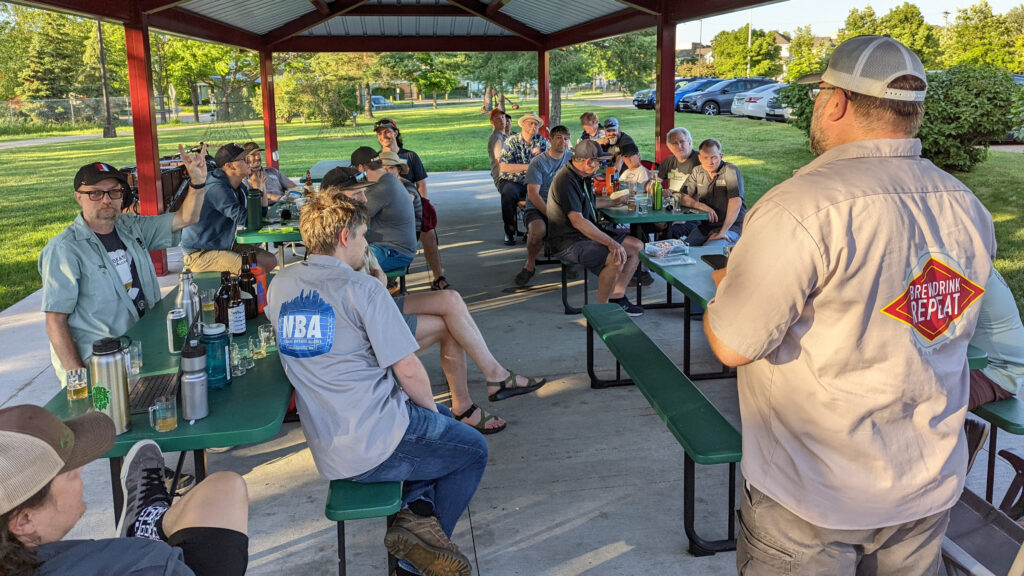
{"x": 706, "y": 436}
{"x": 358, "y": 500}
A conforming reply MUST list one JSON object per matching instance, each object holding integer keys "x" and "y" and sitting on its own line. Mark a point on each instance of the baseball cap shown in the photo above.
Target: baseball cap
{"x": 35, "y": 446}
{"x": 251, "y": 147}
{"x": 867, "y": 64}
{"x": 345, "y": 178}
{"x": 229, "y": 153}
{"x": 393, "y": 159}
{"x": 611, "y": 124}
{"x": 629, "y": 150}
{"x": 385, "y": 123}
{"x": 366, "y": 156}
{"x": 589, "y": 150}
{"x": 97, "y": 171}
{"x": 496, "y": 113}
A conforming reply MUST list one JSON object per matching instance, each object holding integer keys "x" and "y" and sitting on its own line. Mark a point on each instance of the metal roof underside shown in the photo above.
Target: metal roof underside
{"x": 549, "y": 17}
{"x": 406, "y": 26}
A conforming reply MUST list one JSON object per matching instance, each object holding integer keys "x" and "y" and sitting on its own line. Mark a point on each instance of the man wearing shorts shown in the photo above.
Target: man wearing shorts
{"x": 575, "y": 237}
{"x": 539, "y": 175}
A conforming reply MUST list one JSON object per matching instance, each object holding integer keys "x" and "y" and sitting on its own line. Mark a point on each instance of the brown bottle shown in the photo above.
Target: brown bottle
{"x": 247, "y": 283}
{"x": 223, "y": 298}
{"x": 236, "y": 310}
{"x": 308, "y": 188}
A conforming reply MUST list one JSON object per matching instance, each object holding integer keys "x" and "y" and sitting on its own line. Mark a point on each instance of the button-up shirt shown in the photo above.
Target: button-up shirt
{"x": 519, "y": 151}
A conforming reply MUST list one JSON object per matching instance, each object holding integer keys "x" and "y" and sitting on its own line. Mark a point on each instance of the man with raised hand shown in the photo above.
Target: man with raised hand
{"x": 848, "y": 304}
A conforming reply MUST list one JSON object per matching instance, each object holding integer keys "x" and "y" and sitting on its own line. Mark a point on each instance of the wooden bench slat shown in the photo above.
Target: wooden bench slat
{"x": 356, "y": 500}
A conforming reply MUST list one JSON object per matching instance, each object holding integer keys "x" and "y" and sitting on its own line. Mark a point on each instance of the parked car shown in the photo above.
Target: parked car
{"x": 743, "y": 99}
{"x": 691, "y": 87}
{"x": 757, "y": 104}
{"x": 644, "y": 99}
{"x": 717, "y": 98}
{"x": 380, "y": 103}
{"x": 776, "y": 111}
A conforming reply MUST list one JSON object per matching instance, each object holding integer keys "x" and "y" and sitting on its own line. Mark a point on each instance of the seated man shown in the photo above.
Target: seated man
{"x": 210, "y": 244}
{"x": 635, "y": 172}
{"x": 519, "y": 150}
{"x": 613, "y": 141}
{"x": 81, "y": 305}
{"x": 346, "y": 348}
{"x": 392, "y": 229}
{"x": 715, "y": 187}
{"x": 272, "y": 182}
{"x": 591, "y": 127}
{"x": 538, "y": 180}
{"x": 202, "y": 532}
{"x": 443, "y": 318}
{"x": 573, "y": 233}
{"x": 675, "y": 169}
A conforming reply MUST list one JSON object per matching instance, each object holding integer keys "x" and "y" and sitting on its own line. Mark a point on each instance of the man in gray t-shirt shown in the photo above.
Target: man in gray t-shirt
{"x": 345, "y": 348}
{"x": 538, "y": 179}
{"x": 496, "y": 142}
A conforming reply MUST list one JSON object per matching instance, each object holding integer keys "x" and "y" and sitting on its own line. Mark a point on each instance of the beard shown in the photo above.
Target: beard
{"x": 819, "y": 140}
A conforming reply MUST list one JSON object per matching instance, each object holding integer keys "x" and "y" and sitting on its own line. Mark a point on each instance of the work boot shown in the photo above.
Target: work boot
{"x": 421, "y": 541}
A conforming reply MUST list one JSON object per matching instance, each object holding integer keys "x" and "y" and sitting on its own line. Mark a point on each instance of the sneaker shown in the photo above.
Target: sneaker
{"x": 627, "y": 306}
{"x": 523, "y": 278}
{"x": 645, "y": 278}
{"x": 185, "y": 481}
{"x": 420, "y": 541}
{"x": 510, "y": 240}
{"x": 977, "y": 433}
{"x": 144, "y": 492}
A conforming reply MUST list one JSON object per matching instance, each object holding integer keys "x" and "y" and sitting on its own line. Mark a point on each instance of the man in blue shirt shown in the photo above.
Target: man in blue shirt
{"x": 538, "y": 179}
{"x": 210, "y": 244}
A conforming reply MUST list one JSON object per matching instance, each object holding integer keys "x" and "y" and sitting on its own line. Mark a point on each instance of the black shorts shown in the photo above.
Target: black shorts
{"x": 589, "y": 253}
{"x": 531, "y": 215}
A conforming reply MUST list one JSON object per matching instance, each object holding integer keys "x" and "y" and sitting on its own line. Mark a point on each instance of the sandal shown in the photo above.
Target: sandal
{"x": 485, "y": 419}
{"x": 507, "y": 388}
{"x": 436, "y": 284}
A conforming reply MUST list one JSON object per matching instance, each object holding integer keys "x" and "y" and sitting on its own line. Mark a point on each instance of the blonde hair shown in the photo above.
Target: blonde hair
{"x": 588, "y": 118}
{"x": 324, "y": 216}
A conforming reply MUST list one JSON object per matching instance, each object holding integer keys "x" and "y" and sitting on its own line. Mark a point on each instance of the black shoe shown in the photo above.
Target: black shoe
{"x": 645, "y": 279}
{"x": 977, "y": 433}
{"x": 510, "y": 240}
{"x": 523, "y": 278}
{"x": 143, "y": 489}
{"x": 628, "y": 307}
{"x": 185, "y": 481}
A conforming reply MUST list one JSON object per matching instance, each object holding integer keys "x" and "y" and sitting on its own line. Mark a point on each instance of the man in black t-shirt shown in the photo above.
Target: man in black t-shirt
{"x": 613, "y": 142}
{"x": 575, "y": 237}
{"x": 674, "y": 170}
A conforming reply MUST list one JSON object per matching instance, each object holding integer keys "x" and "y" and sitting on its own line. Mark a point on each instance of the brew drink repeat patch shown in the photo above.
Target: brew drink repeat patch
{"x": 934, "y": 299}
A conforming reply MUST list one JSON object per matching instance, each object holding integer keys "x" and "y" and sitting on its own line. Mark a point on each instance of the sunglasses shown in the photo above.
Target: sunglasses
{"x": 385, "y": 124}
{"x": 814, "y": 91}
{"x": 97, "y": 195}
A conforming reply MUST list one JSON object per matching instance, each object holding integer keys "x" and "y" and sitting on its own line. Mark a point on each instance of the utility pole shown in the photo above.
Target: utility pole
{"x": 750, "y": 26}
{"x": 108, "y": 127}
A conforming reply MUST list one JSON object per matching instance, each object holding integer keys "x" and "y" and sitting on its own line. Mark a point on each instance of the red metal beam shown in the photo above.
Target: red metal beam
{"x": 147, "y": 157}
{"x": 153, "y": 6}
{"x": 514, "y": 26}
{"x": 410, "y": 10}
{"x": 185, "y": 23}
{"x": 664, "y": 115}
{"x": 628, "y": 20}
{"x": 494, "y": 7}
{"x": 269, "y": 108}
{"x": 320, "y": 6}
{"x": 307, "y": 21}
{"x": 405, "y": 44}
{"x": 544, "y": 89}
{"x": 654, "y": 7}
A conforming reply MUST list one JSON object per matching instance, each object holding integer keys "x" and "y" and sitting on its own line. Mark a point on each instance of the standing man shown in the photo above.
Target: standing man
{"x": 519, "y": 150}
{"x": 346, "y": 348}
{"x": 853, "y": 378}
{"x": 210, "y": 244}
{"x": 573, "y": 233}
{"x": 613, "y": 142}
{"x": 496, "y": 142}
{"x": 539, "y": 175}
{"x": 98, "y": 278}
{"x": 715, "y": 188}
{"x": 674, "y": 170}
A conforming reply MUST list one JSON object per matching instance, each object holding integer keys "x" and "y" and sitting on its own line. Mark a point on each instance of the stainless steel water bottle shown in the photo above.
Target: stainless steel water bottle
{"x": 108, "y": 372}
{"x": 187, "y": 297}
{"x": 194, "y": 405}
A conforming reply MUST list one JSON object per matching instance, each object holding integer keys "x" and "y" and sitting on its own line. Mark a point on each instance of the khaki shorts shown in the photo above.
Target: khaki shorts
{"x": 214, "y": 260}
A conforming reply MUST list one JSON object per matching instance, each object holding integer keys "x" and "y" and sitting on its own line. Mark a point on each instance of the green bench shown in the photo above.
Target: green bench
{"x": 357, "y": 501}
{"x": 705, "y": 435}
{"x": 400, "y": 274}
{"x": 1005, "y": 414}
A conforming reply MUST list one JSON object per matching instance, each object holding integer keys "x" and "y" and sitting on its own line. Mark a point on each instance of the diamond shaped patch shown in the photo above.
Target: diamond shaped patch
{"x": 934, "y": 300}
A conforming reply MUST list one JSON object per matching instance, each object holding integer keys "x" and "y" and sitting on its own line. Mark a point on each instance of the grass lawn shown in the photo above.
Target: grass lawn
{"x": 36, "y": 200}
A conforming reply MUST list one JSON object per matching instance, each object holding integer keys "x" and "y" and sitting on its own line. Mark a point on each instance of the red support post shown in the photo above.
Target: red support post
{"x": 544, "y": 89}
{"x": 664, "y": 117}
{"x": 269, "y": 109}
{"x": 147, "y": 157}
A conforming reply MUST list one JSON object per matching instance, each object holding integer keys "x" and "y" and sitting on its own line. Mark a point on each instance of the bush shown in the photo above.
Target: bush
{"x": 966, "y": 108}
{"x": 795, "y": 96}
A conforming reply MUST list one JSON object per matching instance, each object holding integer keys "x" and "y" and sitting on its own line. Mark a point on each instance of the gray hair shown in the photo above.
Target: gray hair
{"x": 680, "y": 130}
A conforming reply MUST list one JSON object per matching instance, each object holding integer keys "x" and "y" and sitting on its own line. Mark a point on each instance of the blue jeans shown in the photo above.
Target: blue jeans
{"x": 439, "y": 459}
{"x": 389, "y": 258}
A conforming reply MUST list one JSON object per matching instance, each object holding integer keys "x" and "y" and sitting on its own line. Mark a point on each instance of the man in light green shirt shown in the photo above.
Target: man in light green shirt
{"x": 98, "y": 278}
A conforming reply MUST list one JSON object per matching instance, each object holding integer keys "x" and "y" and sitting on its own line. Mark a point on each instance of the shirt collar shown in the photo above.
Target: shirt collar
{"x": 328, "y": 261}
{"x": 879, "y": 148}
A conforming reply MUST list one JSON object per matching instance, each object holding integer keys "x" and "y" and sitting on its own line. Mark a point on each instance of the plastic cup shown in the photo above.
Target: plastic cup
{"x": 77, "y": 384}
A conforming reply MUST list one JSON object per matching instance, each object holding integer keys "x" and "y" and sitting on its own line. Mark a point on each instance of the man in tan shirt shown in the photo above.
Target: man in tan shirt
{"x": 848, "y": 305}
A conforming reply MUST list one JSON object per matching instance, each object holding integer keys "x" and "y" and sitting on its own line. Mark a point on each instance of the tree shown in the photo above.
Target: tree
{"x": 906, "y": 24}
{"x": 234, "y": 69}
{"x": 629, "y": 59}
{"x": 980, "y": 37}
{"x": 696, "y": 68}
{"x": 498, "y": 71}
{"x": 117, "y": 61}
{"x": 437, "y": 72}
{"x": 15, "y": 39}
{"x": 858, "y": 23}
{"x": 731, "y": 53}
{"x": 805, "y": 55}
{"x": 570, "y": 65}
{"x": 188, "y": 63}
{"x": 54, "y": 62}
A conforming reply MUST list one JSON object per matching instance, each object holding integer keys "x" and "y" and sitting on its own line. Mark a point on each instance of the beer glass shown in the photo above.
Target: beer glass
{"x": 267, "y": 337}
{"x": 163, "y": 414}
{"x": 208, "y": 306}
{"x": 135, "y": 356}
{"x": 78, "y": 384}
{"x": 256, "y": 344}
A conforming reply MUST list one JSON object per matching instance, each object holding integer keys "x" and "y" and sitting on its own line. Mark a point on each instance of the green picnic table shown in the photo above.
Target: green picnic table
{"x": 248, "y": 411}
{"x": 322, "y": 167}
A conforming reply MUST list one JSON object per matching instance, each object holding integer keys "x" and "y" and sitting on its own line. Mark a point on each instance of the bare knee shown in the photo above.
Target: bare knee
{"x": 453, "y": 301}
{"x": 632, "y": 245}
{"x": 227, "y": 485}
{"x": 266, "y": 261}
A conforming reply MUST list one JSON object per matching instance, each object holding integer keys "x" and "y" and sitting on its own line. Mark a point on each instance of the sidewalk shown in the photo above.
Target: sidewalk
{"x": 581, "y": 482}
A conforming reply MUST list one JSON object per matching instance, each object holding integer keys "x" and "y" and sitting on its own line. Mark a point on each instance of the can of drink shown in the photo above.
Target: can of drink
{"x": 177, "y": 328}
{"x": 656, "y": 195}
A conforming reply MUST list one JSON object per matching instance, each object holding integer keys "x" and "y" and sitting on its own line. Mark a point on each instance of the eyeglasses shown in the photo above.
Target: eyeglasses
{"x": 97, "y": 195}
{"x": 814, "y": 91}
{"x": 361, "y": 176}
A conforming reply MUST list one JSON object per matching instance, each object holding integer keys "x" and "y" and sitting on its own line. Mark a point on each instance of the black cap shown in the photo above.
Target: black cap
{"x": 251, "y": 147}
{"x": 366, "y": 156}
{"x": 611, "y": 124}
{"x": 229, "y": 153}
{"x": 106, "y": 345}
{"x": 629, "y": 149}
{"x": 97, "y": 171}
{"x": 589, "y": 150}
{"x": 344, "y": 177}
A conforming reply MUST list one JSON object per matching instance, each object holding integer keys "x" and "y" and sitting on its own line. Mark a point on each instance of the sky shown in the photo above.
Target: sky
{"x": 824, "y": 16}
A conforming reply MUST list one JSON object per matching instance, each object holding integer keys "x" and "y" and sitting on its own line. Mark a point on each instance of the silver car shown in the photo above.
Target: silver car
{"x": 741, "y": 101}
{"x": 757, "y": 104}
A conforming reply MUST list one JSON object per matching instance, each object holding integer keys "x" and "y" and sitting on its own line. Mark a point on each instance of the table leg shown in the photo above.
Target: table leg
{"x": 115, "y": 487}
{"x": 199, "y": 459}
{"x": 990, "y": 482}
{"x": 686, "y": 335}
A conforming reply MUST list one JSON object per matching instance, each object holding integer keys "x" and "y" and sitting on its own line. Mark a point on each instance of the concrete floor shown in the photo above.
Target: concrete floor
{"x": 582, "y": 482}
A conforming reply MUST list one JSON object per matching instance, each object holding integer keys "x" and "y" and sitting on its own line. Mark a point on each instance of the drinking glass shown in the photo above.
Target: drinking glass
{"x": 163, "y": 414}
{"x": 237, "y": 363}
{"x": 209, "y": 308}
{"x": 77, "y": 384}
{"x": 256, "y": 345}
{"x": 267, "y": 337}
{"x": 135, "y": 356}
{"x": 244, "y": 354}
{"x": 643, "y": 204}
